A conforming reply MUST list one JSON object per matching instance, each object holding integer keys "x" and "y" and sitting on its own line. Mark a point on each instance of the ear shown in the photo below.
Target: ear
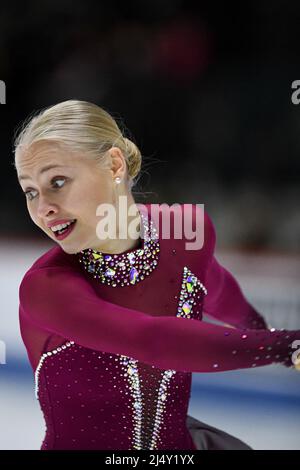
{"x": 118, "y": 163}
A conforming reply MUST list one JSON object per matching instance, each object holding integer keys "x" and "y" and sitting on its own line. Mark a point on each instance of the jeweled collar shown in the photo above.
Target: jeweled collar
{"x": 127, "y": 268}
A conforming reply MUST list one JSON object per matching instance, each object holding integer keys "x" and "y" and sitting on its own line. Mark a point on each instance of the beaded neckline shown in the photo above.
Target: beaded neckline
{"x": 128, "y": 268}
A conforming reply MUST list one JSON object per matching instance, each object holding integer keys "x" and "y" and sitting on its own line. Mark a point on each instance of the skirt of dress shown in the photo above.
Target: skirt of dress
{"x": 207, "y": 437}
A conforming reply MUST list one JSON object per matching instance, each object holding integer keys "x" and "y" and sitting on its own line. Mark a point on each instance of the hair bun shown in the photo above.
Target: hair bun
{"x": 134, "y": 158}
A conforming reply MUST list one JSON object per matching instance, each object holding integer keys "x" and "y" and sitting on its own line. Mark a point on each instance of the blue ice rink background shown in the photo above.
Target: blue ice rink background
{"x": 260, "y": 406}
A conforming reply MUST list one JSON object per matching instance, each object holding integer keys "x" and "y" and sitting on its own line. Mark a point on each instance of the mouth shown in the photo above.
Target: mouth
{"x": 61, "y": 234}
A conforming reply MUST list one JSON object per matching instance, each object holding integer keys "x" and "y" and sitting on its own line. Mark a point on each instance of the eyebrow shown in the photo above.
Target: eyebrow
{"x": 43, "y": 170}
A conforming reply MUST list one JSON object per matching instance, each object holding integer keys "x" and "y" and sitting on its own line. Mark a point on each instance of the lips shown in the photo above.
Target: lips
{"x": 66, "y": 232}
{"x": 58, "y": 222}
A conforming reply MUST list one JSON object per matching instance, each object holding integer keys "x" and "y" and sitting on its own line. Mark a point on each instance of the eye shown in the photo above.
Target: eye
{"x": 58, "y": 178}
{"x": 28, "y": 193}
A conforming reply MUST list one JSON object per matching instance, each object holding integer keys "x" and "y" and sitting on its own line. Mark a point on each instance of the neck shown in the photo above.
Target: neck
{"x": 119, "y": 245}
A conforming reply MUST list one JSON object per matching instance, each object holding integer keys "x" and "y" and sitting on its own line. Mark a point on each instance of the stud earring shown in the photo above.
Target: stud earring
{"x": 118, "y": 180}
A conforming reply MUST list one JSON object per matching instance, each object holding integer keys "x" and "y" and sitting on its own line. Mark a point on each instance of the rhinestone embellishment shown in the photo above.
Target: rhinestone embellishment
{"x": 124, "y": 269}
{"x": 130, "y": 367}
{"x": 191, "y": 289}
{"x": 41, "y": 361}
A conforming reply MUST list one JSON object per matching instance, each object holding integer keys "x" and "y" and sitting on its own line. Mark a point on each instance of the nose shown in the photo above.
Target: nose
{"x": 45, "y": 207}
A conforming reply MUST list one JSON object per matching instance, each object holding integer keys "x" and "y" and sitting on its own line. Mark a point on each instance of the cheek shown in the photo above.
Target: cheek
{"x": 34, "y": 217}
{"x": 102, "y": 194}
{"x": 84, "y": 200}
{"x": 31, "y": 213}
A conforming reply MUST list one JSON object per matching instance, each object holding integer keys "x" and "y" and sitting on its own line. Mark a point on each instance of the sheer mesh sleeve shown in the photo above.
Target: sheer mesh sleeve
{"x": 61, "y": 301}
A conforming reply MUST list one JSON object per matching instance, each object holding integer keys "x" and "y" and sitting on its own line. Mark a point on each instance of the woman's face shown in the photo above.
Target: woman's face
{"x": 72, "y": 190}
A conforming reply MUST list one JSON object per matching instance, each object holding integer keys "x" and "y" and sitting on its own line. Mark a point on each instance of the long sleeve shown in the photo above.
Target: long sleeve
{"x": 61, "y": 301}
{"x": 225, "y": 300}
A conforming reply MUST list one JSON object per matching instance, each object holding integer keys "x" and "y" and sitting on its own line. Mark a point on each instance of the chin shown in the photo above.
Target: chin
{"x": 69, "y": 250}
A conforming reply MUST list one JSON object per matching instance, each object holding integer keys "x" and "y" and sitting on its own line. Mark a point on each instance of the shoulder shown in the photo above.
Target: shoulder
{"x": 53, "y": 260}
{"x": 54, "y": 257}
{"x": 51, "y": 281}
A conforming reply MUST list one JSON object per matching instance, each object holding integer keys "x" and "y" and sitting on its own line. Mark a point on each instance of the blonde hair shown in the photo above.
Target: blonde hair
{"x": 81, "y": 126}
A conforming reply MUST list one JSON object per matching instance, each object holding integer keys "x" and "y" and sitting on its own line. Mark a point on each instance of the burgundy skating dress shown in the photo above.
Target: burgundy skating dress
{"x": 113, "y": 341}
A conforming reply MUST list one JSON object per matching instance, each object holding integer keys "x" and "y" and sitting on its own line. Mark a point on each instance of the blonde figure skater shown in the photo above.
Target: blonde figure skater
{"x": 113, "y": 326}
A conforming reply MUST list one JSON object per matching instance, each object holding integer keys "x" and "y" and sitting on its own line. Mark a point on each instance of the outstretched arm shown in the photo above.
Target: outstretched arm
{"x": 61, "y": 301}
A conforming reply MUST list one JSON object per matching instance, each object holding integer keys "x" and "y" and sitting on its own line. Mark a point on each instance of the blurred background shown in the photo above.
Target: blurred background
{"x": 205, "y": 92}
